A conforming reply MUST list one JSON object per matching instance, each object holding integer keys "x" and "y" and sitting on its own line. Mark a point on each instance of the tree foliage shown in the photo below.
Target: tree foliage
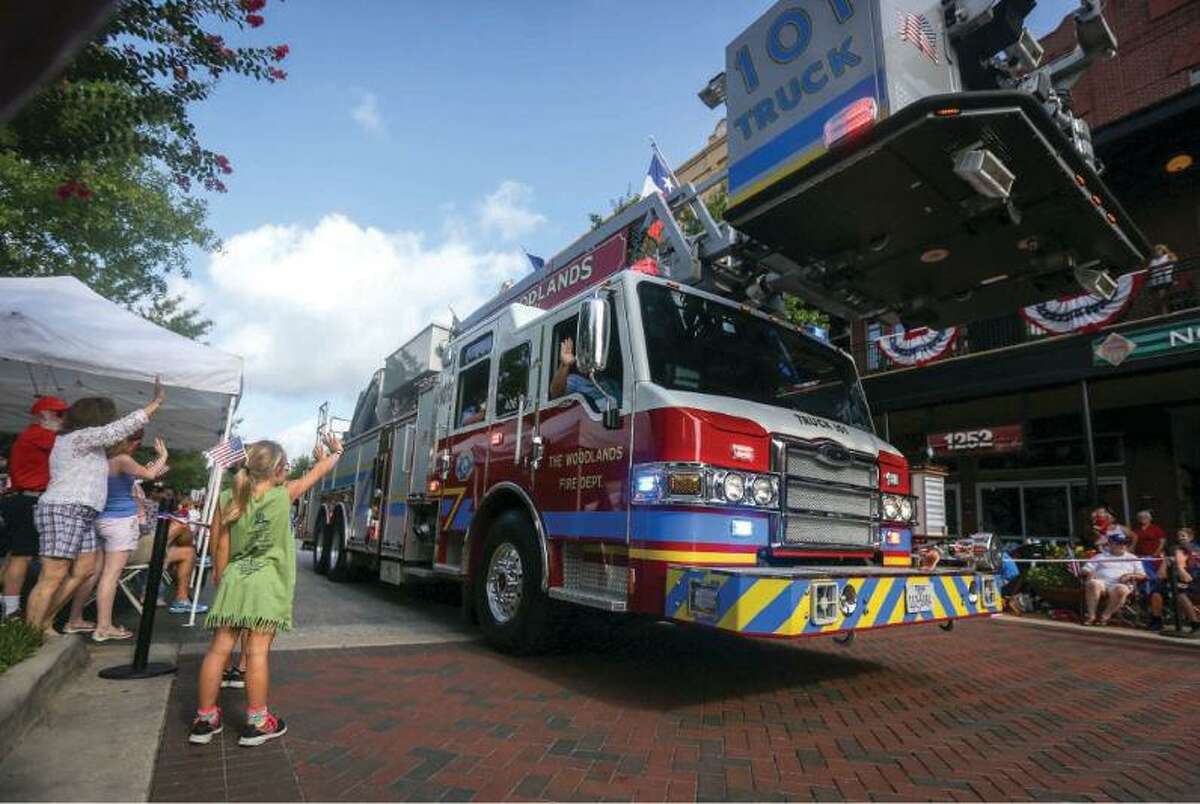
{"x": 300, "y": 465}
{"x": 98, "y": 169}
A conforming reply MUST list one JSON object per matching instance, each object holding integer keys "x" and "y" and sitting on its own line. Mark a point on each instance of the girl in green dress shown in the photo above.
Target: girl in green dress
{"x": 254, "y": 566}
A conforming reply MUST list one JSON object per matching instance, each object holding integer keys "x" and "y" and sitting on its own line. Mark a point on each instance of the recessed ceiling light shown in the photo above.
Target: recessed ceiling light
{"x": 935, "y": 255}
{"x": 1179, "y": 163}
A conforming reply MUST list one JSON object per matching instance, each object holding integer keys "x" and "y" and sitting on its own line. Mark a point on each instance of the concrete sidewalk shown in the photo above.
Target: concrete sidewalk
{"x": 98, "y": 739}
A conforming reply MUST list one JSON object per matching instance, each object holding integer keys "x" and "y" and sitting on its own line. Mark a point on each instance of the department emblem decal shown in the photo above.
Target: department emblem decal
{"x": 463, "y": 465}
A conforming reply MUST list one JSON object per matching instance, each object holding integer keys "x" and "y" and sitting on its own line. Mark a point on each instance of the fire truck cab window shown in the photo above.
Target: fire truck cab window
{"x": 473, "y": 382}
{"x": 566, "y": 378}
{"x": 706, "y": 347}
{"x": 512, "y": 379}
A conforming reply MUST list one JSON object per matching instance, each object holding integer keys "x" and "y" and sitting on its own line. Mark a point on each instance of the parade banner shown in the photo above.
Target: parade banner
{"x": 919, "y": 346}
{"x": 1086, "y": 312}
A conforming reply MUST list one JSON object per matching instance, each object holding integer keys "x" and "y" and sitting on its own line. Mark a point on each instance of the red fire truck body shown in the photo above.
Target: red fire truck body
{"x": 698, "y": 460}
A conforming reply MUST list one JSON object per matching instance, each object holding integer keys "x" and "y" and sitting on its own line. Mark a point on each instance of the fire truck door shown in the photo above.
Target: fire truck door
{"x": 583, "y": 474}
{"x": 365, "y": 515}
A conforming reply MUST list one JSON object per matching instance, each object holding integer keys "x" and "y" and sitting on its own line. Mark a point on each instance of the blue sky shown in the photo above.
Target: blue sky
{"x": 413, "y": 150}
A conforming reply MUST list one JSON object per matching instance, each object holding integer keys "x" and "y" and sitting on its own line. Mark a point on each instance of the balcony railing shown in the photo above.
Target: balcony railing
{"x": 1156, "y": 298}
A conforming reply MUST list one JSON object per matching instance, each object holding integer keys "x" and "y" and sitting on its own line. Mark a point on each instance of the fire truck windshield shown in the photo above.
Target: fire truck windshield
{"x": 700, "y": 345}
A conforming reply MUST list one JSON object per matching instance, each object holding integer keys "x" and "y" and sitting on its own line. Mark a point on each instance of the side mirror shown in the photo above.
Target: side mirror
{"x": 591, "y": 337}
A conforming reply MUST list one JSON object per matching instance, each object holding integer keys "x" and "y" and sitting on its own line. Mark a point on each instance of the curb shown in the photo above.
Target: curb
{"x": 26, "y": 688}
{"x": 1110, "y": 635}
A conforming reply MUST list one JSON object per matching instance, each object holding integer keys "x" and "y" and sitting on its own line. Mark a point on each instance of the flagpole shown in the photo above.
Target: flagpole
{"x": 207, "y": 516}
{"x": 657, "y": 150}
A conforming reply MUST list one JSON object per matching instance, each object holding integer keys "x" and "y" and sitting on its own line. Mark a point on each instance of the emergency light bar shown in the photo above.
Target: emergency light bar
{"x": 857, "y": 116}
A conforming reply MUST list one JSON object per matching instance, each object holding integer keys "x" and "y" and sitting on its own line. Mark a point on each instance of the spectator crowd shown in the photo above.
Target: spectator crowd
{"x": 75, "y": 504}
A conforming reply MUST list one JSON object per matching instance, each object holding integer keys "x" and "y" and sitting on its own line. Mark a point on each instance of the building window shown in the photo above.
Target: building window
{"x": 512, "y": 379}
{"x": 1052, "y": 510}
{"x": 953, "y": 510}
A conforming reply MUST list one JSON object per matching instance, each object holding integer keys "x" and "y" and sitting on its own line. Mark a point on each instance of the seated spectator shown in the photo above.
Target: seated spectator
{"x": 1105, "y": 526}
{"x": 1111, "y": 574}
{"x": 568, "y": 380}
{"x": 1010, "y": 579}
{"x": 1148, "y": 537}
{"x": 1182, "y": 553}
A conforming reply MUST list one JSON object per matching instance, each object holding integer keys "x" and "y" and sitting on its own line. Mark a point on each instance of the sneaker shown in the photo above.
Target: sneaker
{"x": 269, "y": 729}
{"x": 185, "y": 607}
{"x": 1156, "y": 624}
{"x": 233, "y": 678}
{"x": 202, "y": 730}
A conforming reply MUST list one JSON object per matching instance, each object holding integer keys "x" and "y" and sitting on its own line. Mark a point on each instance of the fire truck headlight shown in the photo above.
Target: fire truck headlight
{"x": 891, "y": 508}
{"x": 906, "y": 509}
{"x": 762, "y": 491}
{"x": 647, "y": 484}
{"x": 734, "y": 487}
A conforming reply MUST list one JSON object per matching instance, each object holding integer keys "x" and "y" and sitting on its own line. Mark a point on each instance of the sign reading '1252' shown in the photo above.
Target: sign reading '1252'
{"x": 1002, "y": 438}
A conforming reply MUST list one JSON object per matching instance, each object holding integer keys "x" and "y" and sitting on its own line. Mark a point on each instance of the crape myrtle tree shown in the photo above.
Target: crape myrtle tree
{"x": 101, "y": 171}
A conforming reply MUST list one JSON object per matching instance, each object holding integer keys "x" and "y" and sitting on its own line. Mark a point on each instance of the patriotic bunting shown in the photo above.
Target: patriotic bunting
{"x": 918, "y": 346}
{"x": 1087, "y": 311}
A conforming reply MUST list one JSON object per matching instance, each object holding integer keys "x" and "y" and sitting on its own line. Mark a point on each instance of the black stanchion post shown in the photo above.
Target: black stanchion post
{"x": 142, "y": 667}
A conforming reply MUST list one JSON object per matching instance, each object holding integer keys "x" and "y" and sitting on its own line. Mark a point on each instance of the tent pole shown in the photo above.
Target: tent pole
{"x": 210, "y": 507}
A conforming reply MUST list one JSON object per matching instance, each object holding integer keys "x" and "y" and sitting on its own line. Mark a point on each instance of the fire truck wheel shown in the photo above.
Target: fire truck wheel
{"x": 321, "y": 551}
{"x": 335, "y": 554}
{"x": 514, "y": 613}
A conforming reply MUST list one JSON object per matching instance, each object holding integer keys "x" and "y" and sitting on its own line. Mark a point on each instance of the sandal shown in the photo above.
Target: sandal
{"x": 1090, "y": 621}
{"x": 85, "y": 628}
{"x": 116, "y": 633}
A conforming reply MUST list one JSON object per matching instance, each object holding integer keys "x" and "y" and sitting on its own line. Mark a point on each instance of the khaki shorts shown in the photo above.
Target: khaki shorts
{"x": 118, "y": 533}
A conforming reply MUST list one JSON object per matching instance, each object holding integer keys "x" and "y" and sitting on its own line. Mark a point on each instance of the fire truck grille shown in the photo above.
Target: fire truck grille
{"x": 812, "y": 531}
{"x": 824, "y": 499}
{"x": 827, "y": 504}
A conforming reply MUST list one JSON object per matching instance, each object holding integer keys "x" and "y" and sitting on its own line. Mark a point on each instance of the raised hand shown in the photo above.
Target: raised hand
{"x": 566, "y": 352}
{"x": 159, "y": 392}
{"x": 160, "y": 447}
{"x": 333, "y": 443}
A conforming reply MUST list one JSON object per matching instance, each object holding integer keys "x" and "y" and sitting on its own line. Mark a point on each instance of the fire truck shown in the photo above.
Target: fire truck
{"x": 637, "y": 427}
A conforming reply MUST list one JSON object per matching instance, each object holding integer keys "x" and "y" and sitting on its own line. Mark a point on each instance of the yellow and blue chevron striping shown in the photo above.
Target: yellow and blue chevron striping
{"x": 760, "y": 604}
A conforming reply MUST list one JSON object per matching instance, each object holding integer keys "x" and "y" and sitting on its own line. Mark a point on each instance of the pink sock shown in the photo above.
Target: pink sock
{"x": 257, "y": 716}
{"x": 209, "y": 713}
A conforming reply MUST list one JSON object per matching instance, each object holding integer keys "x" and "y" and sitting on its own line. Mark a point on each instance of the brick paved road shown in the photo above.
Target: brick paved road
{"x": 992, "y": 711}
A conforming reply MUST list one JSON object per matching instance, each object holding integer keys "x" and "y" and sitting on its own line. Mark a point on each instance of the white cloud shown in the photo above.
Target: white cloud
{"x": 507, "y": 212}
{"x": 315, "y": 310}
{"x": 366, "y": 113}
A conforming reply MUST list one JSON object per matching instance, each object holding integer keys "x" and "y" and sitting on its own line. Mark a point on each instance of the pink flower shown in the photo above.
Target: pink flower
{"x": 252, "y": 5}
{"x": 223, "y": 164}
{"x": 219, "y": 186}
{"x": 279, "y": 52}
{"x": 255, "y": 20}
{"x": 277, "y": 74}
{"x": 215, "y": 41}
{"x": 181, "y": 73}
{"x": 226, "y": 54}
{"x": 183, "y": 182}
{"x": 83, "y": 192}
{"x": 65, "y": 190}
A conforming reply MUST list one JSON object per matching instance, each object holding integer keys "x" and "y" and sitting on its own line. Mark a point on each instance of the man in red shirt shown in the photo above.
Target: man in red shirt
{"x": 1150, "y": 537}
{"x": 29, "y": 472}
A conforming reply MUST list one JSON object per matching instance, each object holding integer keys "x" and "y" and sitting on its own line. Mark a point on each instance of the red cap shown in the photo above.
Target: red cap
{"x": 48, "y": 403}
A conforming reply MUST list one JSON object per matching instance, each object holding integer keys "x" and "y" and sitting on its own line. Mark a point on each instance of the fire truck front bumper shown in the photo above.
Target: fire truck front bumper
{"x": 791, "y": 602}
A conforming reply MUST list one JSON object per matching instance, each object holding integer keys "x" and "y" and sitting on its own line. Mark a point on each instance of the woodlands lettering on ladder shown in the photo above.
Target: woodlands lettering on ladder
{"x": 597, "y": 265}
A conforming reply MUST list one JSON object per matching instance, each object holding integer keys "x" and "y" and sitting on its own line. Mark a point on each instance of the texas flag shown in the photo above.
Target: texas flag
{"x": 658, "y": 177}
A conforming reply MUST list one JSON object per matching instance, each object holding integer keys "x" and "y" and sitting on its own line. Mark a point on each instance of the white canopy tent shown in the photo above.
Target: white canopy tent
{"x": 59, "y": 337}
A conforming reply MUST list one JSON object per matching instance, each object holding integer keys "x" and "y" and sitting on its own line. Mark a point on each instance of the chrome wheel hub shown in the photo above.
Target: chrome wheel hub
{"x": 505, "y": 575}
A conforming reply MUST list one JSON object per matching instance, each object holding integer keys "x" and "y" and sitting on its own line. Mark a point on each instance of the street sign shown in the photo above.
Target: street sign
{"x": 1144, "y": 344}
{"x": 1001, "y": 438}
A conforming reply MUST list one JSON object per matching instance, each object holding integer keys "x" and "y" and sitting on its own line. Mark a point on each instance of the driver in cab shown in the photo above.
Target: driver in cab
{"x": 568, "y": 380}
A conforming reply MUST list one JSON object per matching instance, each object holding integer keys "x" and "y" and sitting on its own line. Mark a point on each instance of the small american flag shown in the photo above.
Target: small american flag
{"x": 227, "y": 453}
{"x": 916, "y": 30}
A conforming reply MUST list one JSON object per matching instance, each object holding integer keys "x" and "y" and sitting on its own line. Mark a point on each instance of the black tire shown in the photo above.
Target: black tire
{"x": 337, "y": 557}
{"x": 527, "y": 628}
{"x": 321, "y": 550}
